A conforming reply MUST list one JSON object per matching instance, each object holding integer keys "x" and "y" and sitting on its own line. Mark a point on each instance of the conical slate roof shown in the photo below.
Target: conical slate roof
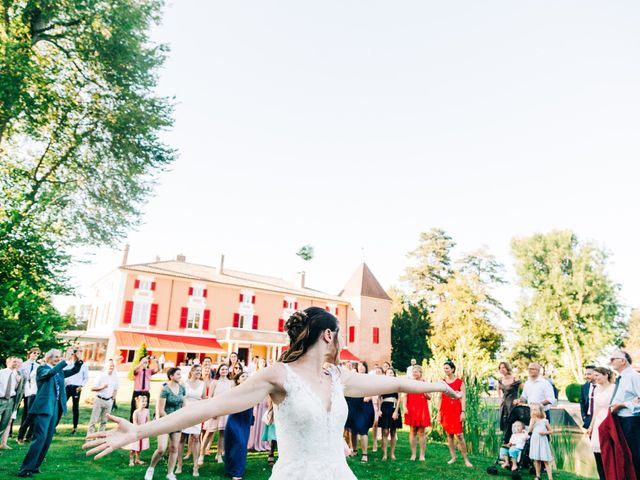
{"x": 364, "y": 284}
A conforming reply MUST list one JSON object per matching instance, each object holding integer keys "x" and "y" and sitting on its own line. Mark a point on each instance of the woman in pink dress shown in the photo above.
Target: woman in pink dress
{"x": 601, "y": 399}
{"x": 220, "y": 385}
{"x": 140, "y": 416}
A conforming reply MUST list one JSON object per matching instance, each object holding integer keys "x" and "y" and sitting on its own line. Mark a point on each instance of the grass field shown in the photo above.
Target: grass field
{"x": 67, "y": 461}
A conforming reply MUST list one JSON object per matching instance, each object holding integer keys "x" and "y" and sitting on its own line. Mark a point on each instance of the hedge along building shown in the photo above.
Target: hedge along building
{"x": 183, "y": 311}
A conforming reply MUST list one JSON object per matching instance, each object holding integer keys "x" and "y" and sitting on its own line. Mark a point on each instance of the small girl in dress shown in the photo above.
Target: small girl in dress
{"x": 539, "y": 447}
{"x": 140, "y": 416}
{"x": 515, "y": 446}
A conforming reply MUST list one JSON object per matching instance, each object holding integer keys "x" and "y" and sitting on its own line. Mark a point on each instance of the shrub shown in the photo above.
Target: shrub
{"x": 573, "y": 392}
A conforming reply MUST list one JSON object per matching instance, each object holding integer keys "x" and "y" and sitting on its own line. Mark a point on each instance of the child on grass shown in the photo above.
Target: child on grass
{"x": 539, "y": 447}
{"x": 140, "y": 416}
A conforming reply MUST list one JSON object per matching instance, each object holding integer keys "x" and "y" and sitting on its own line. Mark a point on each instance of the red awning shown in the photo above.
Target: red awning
{"x": 347, "y": 356}
{"x": 160, "y": 342}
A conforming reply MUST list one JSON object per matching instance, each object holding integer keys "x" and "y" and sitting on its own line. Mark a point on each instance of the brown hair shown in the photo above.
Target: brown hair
{"x": 506, "y": 365}
{"x": 304, "y": 328}
{"x": 606, "y": 372}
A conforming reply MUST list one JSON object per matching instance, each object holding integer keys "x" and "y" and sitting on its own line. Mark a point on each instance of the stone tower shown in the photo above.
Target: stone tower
{"x": 368, "y": 332}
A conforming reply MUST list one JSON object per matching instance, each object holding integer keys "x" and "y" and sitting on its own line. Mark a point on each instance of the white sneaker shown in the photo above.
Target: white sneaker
{"x": 149, "y": 473}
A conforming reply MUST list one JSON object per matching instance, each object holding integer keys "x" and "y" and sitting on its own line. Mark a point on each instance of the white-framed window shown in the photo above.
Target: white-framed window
{"x": 290, "y": 303}
{"x": 194, "y": 319}
{"x": 144, "y": 285}
{"x": 141, "y": 313}
{"x": 198, "y": 292}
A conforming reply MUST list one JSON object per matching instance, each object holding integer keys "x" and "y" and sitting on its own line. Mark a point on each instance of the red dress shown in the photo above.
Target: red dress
{"x": 417, "y": 414}
{"x": 451, "y": 409}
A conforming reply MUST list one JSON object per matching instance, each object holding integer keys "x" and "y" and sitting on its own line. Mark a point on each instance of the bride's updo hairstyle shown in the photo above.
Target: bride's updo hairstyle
{"x": 304, "y": 328}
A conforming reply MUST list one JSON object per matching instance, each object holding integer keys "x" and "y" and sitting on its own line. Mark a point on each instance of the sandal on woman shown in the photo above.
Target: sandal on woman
{"x": 364, "y": 458}
{"x": 271, "y": 460}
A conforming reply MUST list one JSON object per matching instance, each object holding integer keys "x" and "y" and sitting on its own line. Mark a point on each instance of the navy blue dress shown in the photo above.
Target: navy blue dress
{"x": 236, "y": 437}
{"x": 363, "y": 416}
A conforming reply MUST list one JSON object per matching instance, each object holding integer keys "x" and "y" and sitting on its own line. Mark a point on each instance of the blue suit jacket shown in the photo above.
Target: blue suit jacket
{"x": 46, "y": 378}
{"x": 584, "y": 404}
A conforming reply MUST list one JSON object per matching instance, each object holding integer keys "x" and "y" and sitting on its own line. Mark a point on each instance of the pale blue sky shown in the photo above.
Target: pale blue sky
{"x": 362, "y": 123}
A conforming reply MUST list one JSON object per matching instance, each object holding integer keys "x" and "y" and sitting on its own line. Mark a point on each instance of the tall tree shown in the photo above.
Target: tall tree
{"x": 568, "y": 297}
{"x": 431, "y": 264}
{"x": 632, "y": 337}
{"x": 80, "y": 144}
{"x": 410, "y": 329}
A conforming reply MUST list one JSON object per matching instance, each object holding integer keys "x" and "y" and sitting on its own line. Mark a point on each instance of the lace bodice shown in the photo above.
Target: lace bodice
{"x": 310, "y": 443}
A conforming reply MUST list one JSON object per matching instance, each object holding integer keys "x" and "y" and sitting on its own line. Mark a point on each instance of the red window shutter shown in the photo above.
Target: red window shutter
{"x": 184, "y": 313}
{"x": 337, "y": 309}
{"x": 153, "y": 317}
{"x": 236, "y": 320}
{"x": 205, "y": 319}
{"x": 204, "y": 293}
{"x": 352, "y": 334}
{"x": 190, "y": 291}
{"x": 281, "y": 325}
{"x": 253, "y": 299}
{"x": 295, "y": 305}
{"x": 136, "y": 284}
{"x": 255, "y": 322}
{"x": 153, "y": 286}
{"x": 376, "y": 335}
{"x": 327, "y": 308}
{"x": 241, "y": 298}
{"x": 128, "y": 312}
{"x": 285, "y": 304}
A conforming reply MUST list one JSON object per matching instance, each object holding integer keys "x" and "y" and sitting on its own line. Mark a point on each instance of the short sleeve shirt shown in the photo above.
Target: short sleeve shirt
{"x": 173, "y": 401}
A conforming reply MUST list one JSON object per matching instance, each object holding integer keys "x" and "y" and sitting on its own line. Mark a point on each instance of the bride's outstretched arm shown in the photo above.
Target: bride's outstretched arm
{"x": 363, "y": 385}
{"x": 240, "y": 398}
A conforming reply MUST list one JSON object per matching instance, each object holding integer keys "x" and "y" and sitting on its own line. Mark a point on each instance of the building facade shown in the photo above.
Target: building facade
{"x": 183, "y": 311}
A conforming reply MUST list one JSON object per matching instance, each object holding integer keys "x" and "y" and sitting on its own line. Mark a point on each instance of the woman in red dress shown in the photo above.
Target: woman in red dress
{"x": 417, "y": 416}
{"x": 452, "y": 414}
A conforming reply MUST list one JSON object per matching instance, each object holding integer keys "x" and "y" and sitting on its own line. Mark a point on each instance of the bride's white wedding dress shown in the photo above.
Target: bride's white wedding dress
{"x": 310, "y": 444}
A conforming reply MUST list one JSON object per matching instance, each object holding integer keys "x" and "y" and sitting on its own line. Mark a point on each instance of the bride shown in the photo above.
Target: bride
{"x": 307, "y": 392}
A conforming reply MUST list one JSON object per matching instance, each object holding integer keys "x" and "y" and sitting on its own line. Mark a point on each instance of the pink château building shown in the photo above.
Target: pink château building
{"x": 183, "y": 311}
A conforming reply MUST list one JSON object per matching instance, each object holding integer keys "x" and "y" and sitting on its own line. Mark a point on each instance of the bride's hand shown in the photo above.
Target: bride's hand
{"x": 450, "y": 392}
{"x": 104, "y": 443}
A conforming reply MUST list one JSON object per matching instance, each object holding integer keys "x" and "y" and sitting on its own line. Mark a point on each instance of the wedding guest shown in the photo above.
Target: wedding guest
{"x": 539, "y": 446}
{"x": 537, "y": 389}
{"x": 389, "y": 420}
{"x": 410, "y": 367}
{"x": 194, "y": 392}
{"x": 452, "y": 414}
{"x": 602, "y": 379}
{"x": 236, "y": 435}
{"x": 222, "y": 384}
{"x": 269, "y": 433}
{"x": 28, "y": 372}
{"x": 364, "y": 415}
{"x": 9, "y": 387}
{"x": 50, "y": 400}
{"x": 73, "y": 386}
{"x": 106, "y": 388}
{"x": 623, "y": 404}
{"x": 508, "y": 392}
{"x": 171, "y": 400}
{"x": 140, "y": 417}
{"x": 207, "y": 378}
{"x": 142, "y": 374}
{"x": 587, "y": 396}
{"x": 417, "y": 415}
{"x": 259, "y": 411}
{"x": 8, "y": 432}
{"x": 375, "y": 431}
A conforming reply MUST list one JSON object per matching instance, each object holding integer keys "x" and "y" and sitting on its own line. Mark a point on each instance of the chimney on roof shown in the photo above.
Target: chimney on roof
{"x": 125, "y": 254}
{"x": 300, "y": 280}
{"x": 221, "y": 265}
{"x": 157, "y": 258}
{"x": 181, "y": 258}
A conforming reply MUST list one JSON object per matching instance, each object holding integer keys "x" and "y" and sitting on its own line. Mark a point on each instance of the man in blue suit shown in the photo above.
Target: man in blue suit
{"x": 586, "y": 396}
{"x": 50, "y": 402}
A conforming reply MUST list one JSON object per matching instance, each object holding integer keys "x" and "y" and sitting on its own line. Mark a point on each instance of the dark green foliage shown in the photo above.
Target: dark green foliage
{"x": 410, "y": 329}
{"x": 573, "y": 392}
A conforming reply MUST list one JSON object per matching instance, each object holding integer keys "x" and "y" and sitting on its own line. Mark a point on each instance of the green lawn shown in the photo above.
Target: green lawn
{"x": 66, "y": 460}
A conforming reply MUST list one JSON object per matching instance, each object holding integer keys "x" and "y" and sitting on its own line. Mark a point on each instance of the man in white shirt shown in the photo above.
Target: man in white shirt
{"x": 9, "y": 378}
{"x": 28, "y": 372}
{"x": 537, "y": 389}
{"x": 106, "y": 388}
{"x": 73, "y": 386}
{"x": 624, "y": 405}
